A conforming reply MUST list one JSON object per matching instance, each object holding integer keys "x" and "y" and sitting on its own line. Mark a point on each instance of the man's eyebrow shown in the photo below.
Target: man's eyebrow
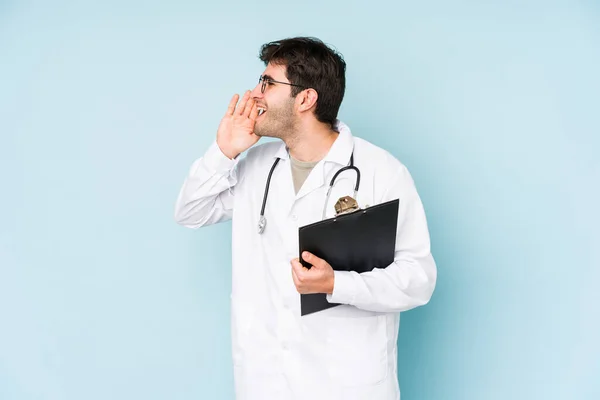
{"x": 268, "y": 77}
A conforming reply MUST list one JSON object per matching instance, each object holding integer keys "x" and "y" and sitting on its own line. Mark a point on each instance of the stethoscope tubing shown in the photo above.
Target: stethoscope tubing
{"x": 263, "y": 220}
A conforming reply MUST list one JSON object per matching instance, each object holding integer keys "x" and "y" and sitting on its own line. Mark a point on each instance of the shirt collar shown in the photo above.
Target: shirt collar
{"x": 339, "y": 152}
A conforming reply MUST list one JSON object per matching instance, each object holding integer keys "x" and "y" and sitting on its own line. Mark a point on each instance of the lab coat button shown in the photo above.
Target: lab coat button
{"x": 294, "y": 217}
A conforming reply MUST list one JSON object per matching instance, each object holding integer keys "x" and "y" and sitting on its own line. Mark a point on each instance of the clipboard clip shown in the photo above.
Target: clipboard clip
{"x": 345, "y": 205}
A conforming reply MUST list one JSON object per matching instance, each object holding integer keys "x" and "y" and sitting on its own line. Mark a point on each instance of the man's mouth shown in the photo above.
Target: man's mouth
{"x": 261, "y": 111}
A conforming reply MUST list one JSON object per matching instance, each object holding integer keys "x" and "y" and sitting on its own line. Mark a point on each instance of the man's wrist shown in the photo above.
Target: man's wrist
{"x": 227, "y": 152}
{"x": 330, "y": 284}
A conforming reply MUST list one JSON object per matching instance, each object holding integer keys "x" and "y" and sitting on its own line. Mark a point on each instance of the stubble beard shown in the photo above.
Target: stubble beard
{"x": 278, "y": 123}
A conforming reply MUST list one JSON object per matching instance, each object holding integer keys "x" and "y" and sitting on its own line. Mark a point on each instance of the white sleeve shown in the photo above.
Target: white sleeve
{"x": 410, "y": 280}
{"x": 206, "y": 196}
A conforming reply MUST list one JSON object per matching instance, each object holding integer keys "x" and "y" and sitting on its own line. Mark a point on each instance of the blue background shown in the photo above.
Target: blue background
{"x": 493, "y": 106}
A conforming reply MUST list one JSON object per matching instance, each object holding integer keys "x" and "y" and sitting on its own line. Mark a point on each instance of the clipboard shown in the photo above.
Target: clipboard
{"x": 358, "y": 241}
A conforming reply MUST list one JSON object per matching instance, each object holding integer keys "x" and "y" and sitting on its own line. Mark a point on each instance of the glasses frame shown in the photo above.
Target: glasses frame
{"x": 263, "y": 81}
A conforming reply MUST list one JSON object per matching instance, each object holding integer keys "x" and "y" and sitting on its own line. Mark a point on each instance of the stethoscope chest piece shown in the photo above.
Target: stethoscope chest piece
{"x": 345, "y": 205}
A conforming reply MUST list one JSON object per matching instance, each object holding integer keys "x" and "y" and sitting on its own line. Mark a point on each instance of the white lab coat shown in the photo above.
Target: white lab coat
{"x": 347, "y": 352}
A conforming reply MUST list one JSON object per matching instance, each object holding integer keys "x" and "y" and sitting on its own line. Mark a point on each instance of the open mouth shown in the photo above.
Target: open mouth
{"x": 261, "y": 111}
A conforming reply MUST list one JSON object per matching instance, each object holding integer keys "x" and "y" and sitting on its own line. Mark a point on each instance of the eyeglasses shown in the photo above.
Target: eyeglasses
{"x": 265, "y": 80}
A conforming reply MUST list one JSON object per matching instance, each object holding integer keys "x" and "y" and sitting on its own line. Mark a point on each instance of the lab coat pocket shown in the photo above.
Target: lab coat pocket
{"x": 357, "y": 350}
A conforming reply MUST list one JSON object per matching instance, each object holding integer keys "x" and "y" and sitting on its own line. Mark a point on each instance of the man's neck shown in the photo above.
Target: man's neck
{"x": 312, "y": 144}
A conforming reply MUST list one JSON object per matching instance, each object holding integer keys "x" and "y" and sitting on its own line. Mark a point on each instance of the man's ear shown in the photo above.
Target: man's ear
{"x": 307, "y": 100}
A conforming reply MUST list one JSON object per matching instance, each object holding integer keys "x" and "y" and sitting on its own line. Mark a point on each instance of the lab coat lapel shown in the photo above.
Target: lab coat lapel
{"x": 285, "y": 188}
{"x": 285, "y": 199}
{"x": 282, "y": 184}
{"x": 314, "y": 181}
{"x": 282, "y": 207}
{"x": 337, "y": 157}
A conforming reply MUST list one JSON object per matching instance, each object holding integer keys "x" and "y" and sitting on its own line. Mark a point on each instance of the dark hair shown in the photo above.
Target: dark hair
{"x": 311, "y": 64}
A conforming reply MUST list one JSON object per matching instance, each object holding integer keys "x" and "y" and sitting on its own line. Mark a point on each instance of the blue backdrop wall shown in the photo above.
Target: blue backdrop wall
{"x": 493, "y": 106}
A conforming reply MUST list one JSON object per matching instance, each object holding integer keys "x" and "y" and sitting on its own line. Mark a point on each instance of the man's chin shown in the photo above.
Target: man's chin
{"x": 261, "y": 133}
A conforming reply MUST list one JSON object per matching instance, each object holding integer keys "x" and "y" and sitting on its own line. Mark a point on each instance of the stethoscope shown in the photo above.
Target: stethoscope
{"x": 262, "y": 222}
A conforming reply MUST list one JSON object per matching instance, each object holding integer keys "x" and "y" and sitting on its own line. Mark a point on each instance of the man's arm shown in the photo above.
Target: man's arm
{"x": 410, "y": 280}
{"x": 206, "y": 196}
{"x": 406, "y": 283}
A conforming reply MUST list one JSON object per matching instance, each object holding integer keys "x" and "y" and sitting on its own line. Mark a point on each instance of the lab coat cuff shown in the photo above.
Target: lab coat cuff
{"x": 216, "y": 160}
{"x": 343, "y": 288}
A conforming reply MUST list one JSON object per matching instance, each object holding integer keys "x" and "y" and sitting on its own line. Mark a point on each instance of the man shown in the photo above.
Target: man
{"x": 345, "y": 352}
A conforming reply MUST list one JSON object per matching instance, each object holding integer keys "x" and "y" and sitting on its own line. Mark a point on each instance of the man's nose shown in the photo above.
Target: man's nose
{"x": 256, "y": 93}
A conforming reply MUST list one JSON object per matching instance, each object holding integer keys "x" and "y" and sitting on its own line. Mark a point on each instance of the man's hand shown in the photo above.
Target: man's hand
{"x": 318, "y": 279}
{"x": 236, "y": 130}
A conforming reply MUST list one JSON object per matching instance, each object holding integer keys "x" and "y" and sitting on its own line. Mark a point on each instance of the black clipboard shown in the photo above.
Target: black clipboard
{"x": 358, "y": 241}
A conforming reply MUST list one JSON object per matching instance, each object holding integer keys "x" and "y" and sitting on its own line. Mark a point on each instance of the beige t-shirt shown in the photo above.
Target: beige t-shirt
{"x": 300, "y": 171}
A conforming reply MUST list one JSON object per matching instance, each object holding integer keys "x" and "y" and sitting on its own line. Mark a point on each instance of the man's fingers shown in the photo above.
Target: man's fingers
{"x": 232, "y": 104}
{"x": 296, "y": 265}
{"x": 249, "y": 105}
{"x": 254, "y": 112}
{"x": 242, "y": 106}
{"x": 310, "y": 258}
{"x": 294, "y": 274}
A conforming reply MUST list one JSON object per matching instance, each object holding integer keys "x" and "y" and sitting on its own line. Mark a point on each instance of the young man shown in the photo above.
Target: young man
{"x": 345, "y": 352}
